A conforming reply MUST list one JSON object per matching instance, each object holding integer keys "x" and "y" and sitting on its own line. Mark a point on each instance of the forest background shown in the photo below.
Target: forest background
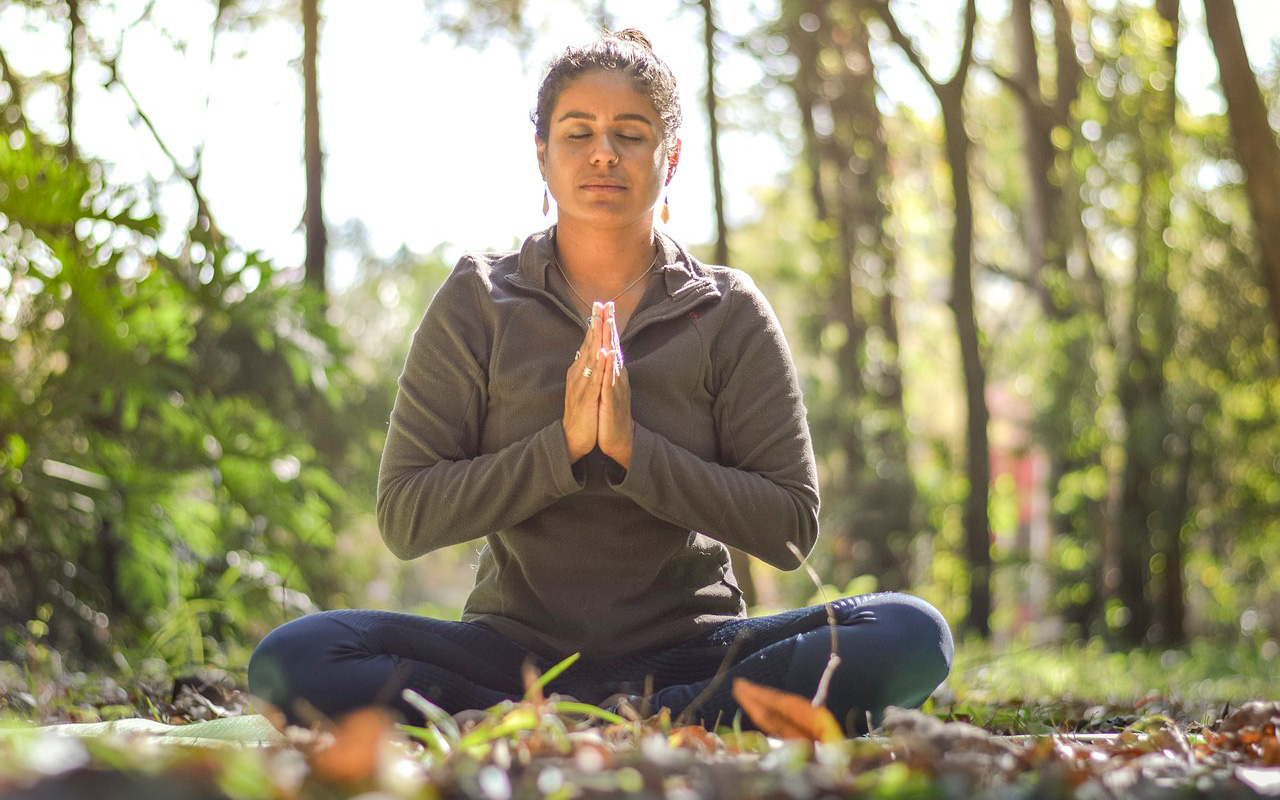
{"x": 1033, "y": 291}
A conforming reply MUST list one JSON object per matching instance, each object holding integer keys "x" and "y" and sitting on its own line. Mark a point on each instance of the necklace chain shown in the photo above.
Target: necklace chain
{"x": 625, "y": 289}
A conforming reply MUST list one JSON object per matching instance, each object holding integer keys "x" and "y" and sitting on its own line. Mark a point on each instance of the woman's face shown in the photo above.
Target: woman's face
{"x": 604, "y": 159}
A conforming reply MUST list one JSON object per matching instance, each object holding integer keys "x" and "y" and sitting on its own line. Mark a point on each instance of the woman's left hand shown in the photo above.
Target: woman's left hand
{"x": 615, "y": 431}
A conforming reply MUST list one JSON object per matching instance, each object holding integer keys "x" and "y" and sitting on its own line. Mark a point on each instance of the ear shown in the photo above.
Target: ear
{"x": 673, "y": 161}
{"x": 541, "y": 147}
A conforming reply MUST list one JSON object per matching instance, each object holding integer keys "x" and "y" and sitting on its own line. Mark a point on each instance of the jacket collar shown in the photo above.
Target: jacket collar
{"x": 683, "y": 274}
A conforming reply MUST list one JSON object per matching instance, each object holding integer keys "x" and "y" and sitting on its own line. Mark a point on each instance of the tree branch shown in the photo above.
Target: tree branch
{"x": 966, "y": 51}
{"x": 1069, "y": 67}
{"x": 1012, "y": 84}
{"x": 204, "y": 216}
{"x": 881, "y": 9}
{"x": 73, "y": 12}
{"x": 15, "y": 88}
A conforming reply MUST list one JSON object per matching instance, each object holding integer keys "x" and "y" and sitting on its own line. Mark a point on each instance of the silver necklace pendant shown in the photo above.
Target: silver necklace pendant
{"x": 590, "y": 317}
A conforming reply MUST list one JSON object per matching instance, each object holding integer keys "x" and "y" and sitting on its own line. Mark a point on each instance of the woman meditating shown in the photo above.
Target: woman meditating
{"x": 609, "y": 414}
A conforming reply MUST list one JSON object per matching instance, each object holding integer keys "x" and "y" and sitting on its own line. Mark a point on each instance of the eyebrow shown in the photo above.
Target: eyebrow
{"x": 619, "y": 118}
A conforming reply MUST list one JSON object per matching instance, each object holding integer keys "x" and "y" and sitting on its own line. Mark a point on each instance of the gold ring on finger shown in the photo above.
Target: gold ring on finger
{"x": 587, "y": 372}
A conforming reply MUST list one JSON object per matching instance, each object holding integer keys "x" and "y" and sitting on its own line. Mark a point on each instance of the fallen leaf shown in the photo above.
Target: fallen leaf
{"x": 785, "y": 715}
{"x": 693, "y": 737}
{"x": 353, "y": 753}
{"x": 1254, "y": 715}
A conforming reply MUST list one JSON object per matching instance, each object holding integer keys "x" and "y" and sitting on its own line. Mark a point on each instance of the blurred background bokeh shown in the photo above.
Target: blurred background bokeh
{"x": 1025, "y": 252}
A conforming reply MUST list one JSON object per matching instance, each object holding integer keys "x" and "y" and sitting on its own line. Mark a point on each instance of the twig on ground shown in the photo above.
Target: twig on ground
{"x": 833, "y": 662}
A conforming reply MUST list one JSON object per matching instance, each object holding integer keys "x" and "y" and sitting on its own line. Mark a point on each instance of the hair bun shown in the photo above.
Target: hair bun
{"x": 630, "y": 53}
{"x": 635, "y": 36}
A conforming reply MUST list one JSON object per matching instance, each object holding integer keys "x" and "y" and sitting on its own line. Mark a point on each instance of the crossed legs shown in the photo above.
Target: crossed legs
{"x": 894, "y": 650}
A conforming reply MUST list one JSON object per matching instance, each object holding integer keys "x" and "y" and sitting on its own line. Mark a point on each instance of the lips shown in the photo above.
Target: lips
{"x": 603, "y": 186}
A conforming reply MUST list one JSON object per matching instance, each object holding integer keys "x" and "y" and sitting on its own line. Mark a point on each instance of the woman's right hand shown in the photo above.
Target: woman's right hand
{"x": 582, "y": 388}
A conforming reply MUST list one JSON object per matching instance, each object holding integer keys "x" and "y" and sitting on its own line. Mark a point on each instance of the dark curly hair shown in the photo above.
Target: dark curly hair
{"x": 627, "y": 50}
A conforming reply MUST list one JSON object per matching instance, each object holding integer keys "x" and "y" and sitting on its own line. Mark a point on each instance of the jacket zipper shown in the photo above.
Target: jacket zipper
{"x": 644, "y": 319}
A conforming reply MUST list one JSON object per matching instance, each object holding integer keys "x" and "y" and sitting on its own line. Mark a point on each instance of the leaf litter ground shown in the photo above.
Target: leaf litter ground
{"x": 962, "y": 746}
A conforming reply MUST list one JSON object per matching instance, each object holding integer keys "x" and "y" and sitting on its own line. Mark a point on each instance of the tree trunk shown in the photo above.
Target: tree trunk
{"x": 1043, "y": 245}
{"x": 713, "y": 132}
{"x": 1145, "y": 525}
{"x": 806, "y": 86}
{"x": 977, "y": 525}
{"x": 874, "y": 513}
{"x": 1173, "y": 606}
{"x": 313, "y": 215}
{"x": 1174, "y": 501}
{"x": 808, "y": 29}
{"x": 109, "y": 547}
{"x": 73, "y": 49}
{"x": 1256, "y": 147}
{"x": 884, "y": 518}
{"x": 1049, "y": 230}
{"x": 741, "y": 562}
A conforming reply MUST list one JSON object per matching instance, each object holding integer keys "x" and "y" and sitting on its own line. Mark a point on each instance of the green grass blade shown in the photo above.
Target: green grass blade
{"x": 431, "y": 736}
{"x": 550, "y": 675}
{"x": 434, "y": 714}
{"x": 567, "y": 707}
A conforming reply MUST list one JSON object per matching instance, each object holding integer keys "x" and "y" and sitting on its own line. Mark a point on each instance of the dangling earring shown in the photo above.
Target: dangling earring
{"x": 666, "y": 209}
{"x": 546, "y": 202}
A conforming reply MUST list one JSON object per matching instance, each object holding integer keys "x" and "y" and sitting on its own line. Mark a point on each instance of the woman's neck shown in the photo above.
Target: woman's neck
{"x": 604, "y": 261}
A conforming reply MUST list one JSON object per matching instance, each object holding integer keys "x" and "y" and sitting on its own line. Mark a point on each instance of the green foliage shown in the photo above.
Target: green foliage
{"x": 1199, "y": 679}
{"x": 189, "y": 438}
{"x": 172, "y": 425}
{"x": 1082, "y": 719}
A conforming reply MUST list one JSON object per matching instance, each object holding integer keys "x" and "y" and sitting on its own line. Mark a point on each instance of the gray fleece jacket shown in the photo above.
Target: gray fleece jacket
{"x": 589, "y": 557}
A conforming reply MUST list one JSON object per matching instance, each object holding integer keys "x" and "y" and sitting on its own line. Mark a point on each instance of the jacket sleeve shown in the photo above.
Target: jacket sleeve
{"x": 763, "y": 493}
{"x": 435, "y": 488}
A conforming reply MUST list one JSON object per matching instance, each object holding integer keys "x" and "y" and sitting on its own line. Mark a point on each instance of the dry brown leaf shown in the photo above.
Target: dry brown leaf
{"x": 1251, "y": 732}
{"x": 1254, "y": 715}
{"x": 592, "y": 756}
{"x": 785, "y": 715}
{"x": 692, "y": 737}
{"x": 353, "y": 754}
{"x": 1269, "y": 750}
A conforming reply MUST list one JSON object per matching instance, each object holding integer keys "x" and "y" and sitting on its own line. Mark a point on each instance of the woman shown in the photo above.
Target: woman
{"x": 610, "y": 414}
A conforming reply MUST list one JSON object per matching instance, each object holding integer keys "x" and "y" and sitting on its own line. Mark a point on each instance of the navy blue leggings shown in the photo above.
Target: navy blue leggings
{"x": 894, "y": 649}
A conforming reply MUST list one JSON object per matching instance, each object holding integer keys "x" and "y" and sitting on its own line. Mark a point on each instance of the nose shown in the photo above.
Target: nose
{"x": 604, "y": 152}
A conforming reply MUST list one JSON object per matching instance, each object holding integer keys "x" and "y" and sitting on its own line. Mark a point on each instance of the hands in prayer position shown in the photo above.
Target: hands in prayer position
{"x": 597, "y": 393}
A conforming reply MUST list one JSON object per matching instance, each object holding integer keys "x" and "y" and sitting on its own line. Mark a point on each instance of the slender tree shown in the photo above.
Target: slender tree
{"x": 809, "y": 28}
{"x": 872, "y": 514}
{"x": 76, "y": 30}
{"x": 741, "y": 561}
{"x": 950, "y": 96}
{"x": 1256, "y": 147}
{"x": 313, "y": 214}
{"x": 1142, "y": 389}
{"x": 1072, "y": 322}
{"x": 1046, "y": 229}
{"x": 14, "y": 114}
{"x": 713, "y": 130}
{"x": 890, "y": 494}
